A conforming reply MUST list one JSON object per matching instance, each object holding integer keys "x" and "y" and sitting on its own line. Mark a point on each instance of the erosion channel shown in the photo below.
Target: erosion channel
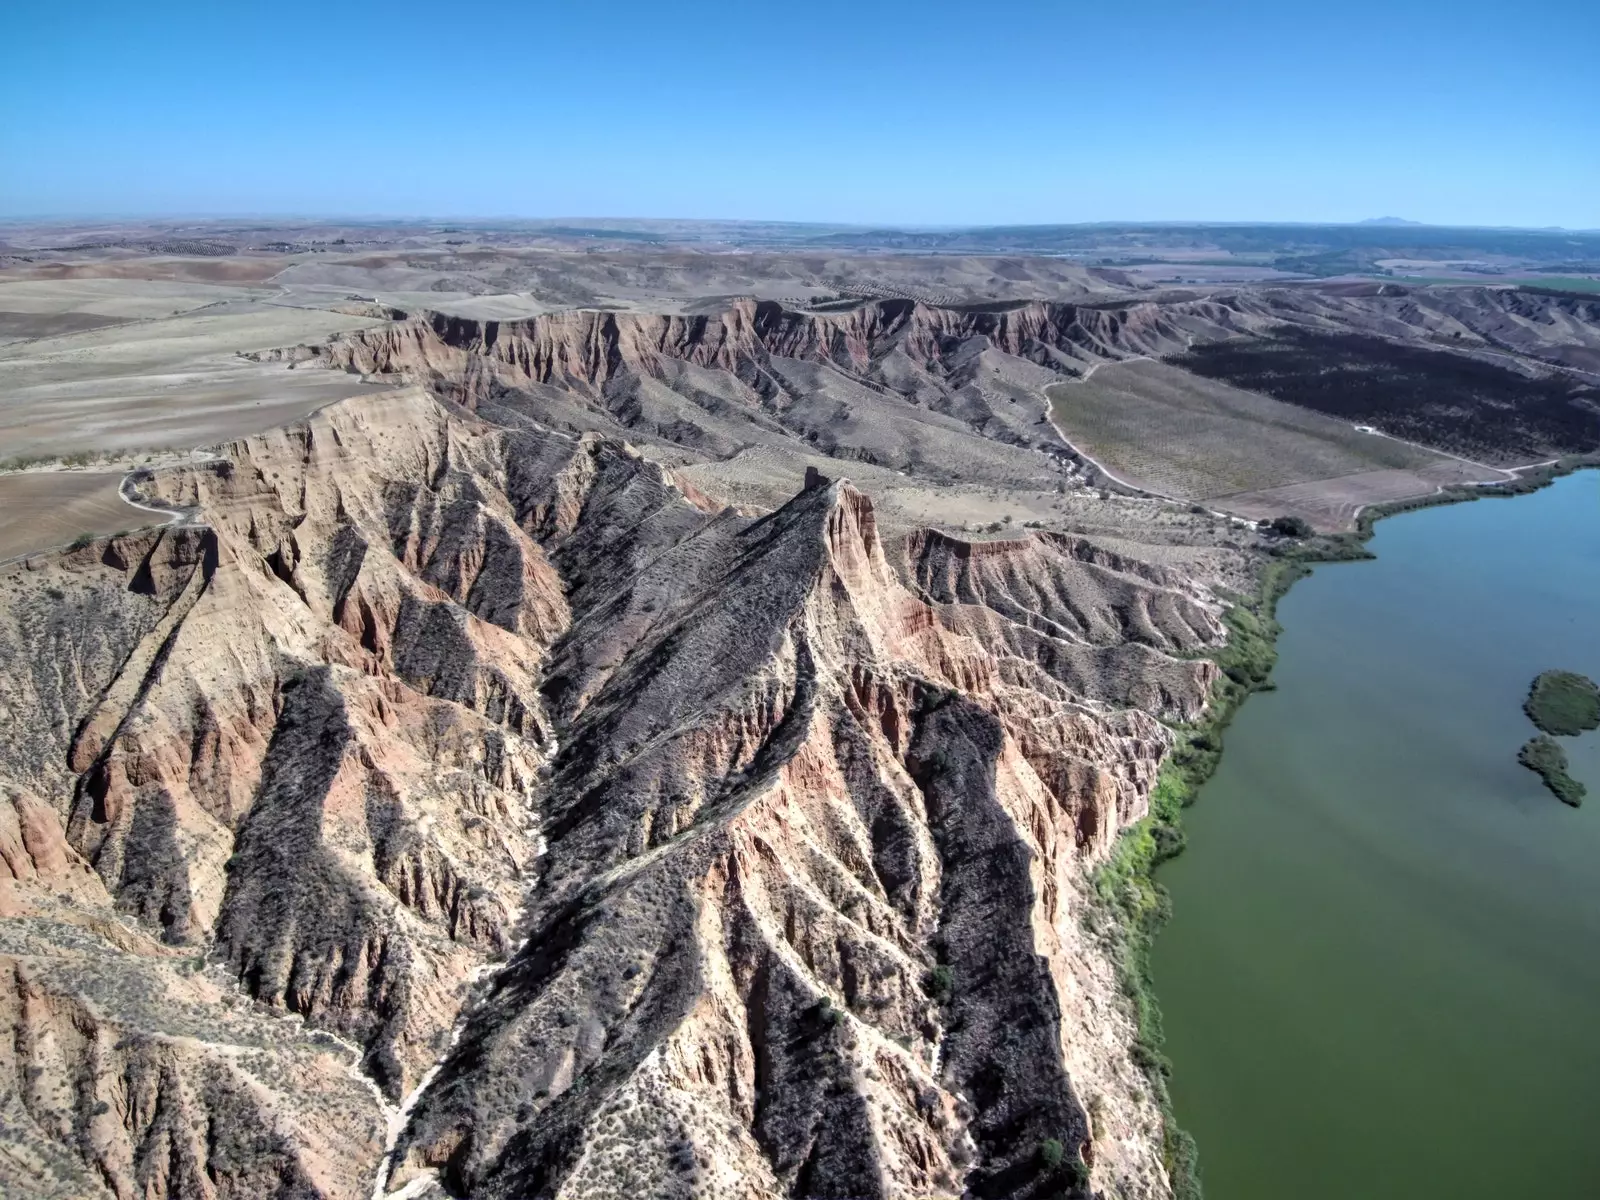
{"x": 1380, "y": 978}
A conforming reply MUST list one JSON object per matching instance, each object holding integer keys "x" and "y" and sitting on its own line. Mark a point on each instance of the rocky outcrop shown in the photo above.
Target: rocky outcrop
{"x": 128, "y": 1071}
{"x": 811, "y": 923}
{"x": 305, "y": 732}
{"x": 589, "y": 349}
{"x": 1073, "y": 619}
{"x": 915, "y": 349}
{"x": 943, "y": 393}
{"x": 783, "y": 849}
{"x": 948, "y": 395}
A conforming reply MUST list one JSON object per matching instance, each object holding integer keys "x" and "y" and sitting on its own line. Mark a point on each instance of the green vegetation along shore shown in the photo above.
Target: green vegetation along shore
{"x": 1125, "y": 884}
{"x": 1561, "y": 704}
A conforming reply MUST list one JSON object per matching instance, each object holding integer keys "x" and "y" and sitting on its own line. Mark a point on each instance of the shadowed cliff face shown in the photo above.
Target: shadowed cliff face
{"x": 950, "y": 396}
{"x": 759, "y": 373}
{"x": 585, "y": 347}
{"x": 782, "y": 845}
{"x": 947, "y": 395}
{"x": 908, "y": 348}
{"x": 128, "y": 1070}
{"x": 778, "y": 809}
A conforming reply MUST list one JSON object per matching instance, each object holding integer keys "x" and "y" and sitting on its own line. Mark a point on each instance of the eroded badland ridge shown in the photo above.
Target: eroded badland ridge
{"x": 408, "y": 669}
{"x": 547, "y": 774}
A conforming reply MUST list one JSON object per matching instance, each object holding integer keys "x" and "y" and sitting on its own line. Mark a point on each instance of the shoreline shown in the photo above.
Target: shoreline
{"x": 1126, "y": 885}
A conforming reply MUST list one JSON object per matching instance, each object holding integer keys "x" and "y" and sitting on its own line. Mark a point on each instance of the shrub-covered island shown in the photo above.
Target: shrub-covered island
{"x": 1563, "y": 703}
{"x": 1545, "y": 755}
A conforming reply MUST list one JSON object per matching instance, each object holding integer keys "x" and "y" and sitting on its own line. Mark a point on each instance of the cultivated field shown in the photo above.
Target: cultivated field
{"x": 31, "y": 309}
{"x": 124, "y": 299}
{"x": 1162, "y": 428}
{"x": 169, "y": 382}
{"x": 40, "y": 509}
{"x": 1335, "y": 503}
{"x": 111, "y": 369}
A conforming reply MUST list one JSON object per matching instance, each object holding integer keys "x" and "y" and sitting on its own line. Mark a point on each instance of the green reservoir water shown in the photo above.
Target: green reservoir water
{"x": 1382, "y": 974}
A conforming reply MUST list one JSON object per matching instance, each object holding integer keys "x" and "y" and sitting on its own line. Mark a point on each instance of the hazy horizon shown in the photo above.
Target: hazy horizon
{"x": 600, "y": 221}
{"x": 930, "y": 115}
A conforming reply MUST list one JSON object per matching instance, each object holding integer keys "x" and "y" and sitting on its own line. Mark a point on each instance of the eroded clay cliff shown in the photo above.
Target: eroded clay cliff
{"x": 637, "y": 844}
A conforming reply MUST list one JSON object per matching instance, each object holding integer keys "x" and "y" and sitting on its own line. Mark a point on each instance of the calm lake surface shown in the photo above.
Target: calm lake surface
{"x": 1382, "y": 975}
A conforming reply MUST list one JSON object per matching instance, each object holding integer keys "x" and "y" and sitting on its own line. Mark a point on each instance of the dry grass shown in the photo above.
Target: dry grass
{"x": 125, "y": 299}
{"x": 1334, "y": 504}
{"x": 22, "y": 326}
{"x": 1164, "y": 429}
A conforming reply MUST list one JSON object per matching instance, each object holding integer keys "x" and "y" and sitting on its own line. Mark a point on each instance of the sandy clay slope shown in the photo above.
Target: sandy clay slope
{"x": 618, "y": 834}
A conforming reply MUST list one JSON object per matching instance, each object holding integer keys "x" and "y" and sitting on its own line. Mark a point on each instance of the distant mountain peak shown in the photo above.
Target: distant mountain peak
{"x": 1387, "y": 221}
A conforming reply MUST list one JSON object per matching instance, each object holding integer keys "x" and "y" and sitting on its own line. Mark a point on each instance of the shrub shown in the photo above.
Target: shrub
{"x": 827, "y": 1016}
{"x": 940, "y": 983}
{"x": 1544, "y": 755}
{"x": 1442, "y": 399}
{"x": 1054, "y": 1160}
{"x": 1563, "y": 703}
{"x": 1169, "y": 841}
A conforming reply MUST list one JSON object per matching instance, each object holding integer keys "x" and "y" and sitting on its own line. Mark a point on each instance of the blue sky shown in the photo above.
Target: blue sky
{"x": 1464, "y": 112}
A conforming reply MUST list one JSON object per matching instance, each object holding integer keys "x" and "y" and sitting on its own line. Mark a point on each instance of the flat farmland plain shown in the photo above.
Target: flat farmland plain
{"x": 1336, "y": 503}
{"x": 111, "y": 371}
{"x": 41, "y": 509}
{"x": 170, "y": 382}
{"x": 1159, "y": 427}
